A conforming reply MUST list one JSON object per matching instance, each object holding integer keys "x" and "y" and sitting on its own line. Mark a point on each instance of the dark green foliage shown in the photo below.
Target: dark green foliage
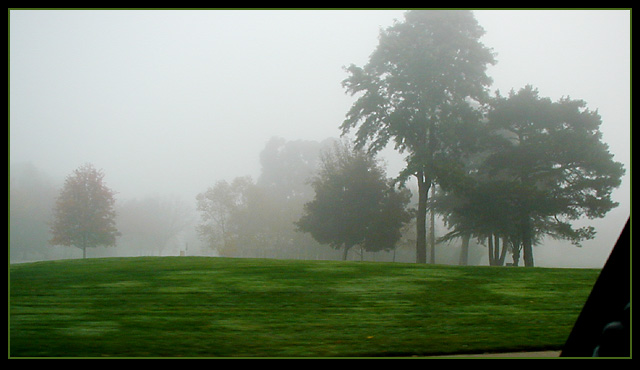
{"x": 553, "y": 155}
{"x": 542, "y": 165}
{"x": 354, "y": 204}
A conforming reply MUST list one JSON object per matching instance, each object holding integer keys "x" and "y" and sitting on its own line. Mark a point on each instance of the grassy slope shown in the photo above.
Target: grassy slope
{"x": 218, "y": 307}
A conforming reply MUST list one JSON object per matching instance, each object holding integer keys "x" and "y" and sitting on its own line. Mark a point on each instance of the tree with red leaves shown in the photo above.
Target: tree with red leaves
{"x": 84, "y": 214}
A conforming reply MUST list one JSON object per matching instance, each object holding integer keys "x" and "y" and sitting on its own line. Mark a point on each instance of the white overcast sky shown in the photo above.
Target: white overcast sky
{"x": 167, "y": 102}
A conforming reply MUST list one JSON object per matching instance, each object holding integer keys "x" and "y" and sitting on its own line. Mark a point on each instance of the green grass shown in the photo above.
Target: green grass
{"x": 222, "y": 307}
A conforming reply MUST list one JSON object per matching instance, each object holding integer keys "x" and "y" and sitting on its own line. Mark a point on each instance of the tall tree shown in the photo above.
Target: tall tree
{"x": 421, "y": 88}
{"x": 84, "y": 214}
{"x": 554, "y": 165}
{"x": 355, "y": 204}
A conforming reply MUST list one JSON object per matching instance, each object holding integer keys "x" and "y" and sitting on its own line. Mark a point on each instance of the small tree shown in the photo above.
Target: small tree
{"x": 354, "y": 204}
{"x": 84, "y": 214}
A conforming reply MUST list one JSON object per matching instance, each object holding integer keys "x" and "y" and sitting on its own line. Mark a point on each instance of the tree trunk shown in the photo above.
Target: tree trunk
{"x": 503, "y": 254}
{"x": 496, "y": 256}
{"x": 432, "y": 230}
{"x": 421, "y": 219}
{"x": 515, "y": 252}
{"x": 527, "y": 252}
{"x": 496, "y": 250}
{"x": 490, "y": 248}
{"x": 464, "y": 250}
{"x": 527, "y": 248}
{"x": 345, "y": 252}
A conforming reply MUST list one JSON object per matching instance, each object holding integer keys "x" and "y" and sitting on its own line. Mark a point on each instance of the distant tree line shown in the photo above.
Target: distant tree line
{"x": 247, "y": 218}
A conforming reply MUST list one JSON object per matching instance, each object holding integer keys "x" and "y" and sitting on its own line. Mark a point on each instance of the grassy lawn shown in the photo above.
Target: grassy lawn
{"x": 222, "y": 307}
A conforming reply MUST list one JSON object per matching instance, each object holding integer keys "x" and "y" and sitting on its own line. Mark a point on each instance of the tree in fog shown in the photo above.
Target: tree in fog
{"x": 243, "y": 219}
{"x": 480, "y": 209}
{"x": 282, "y": 189}
{"x": 84, "y": 214}
{"x": 539, "y": 166}
{"x": 216, "y": 206}
{"x": 287, "y": 166}
{"x": 420, "y": 89}
{"x": 552, "y": 156}
{"x": 248, "y": 219}
{"x": 354, "y": 204}
{"x": 546, "y": 167}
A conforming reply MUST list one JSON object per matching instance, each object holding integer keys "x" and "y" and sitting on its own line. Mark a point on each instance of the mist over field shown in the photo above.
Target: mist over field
{"x": 170, "y": 102}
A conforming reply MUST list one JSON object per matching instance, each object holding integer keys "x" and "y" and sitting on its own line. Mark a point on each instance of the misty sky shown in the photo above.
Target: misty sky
{"x": 169, "y": 102}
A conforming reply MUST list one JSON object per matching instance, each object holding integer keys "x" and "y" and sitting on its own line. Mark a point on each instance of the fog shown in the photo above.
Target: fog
{"x": 168, "y": 102}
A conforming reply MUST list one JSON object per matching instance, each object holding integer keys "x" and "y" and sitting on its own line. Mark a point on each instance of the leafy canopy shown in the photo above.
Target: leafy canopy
{"x": 355, "y": 204}
{"x": 421, "y": 86}
{"x": 552, "y": 156}
{"x": 84, "y": 214}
